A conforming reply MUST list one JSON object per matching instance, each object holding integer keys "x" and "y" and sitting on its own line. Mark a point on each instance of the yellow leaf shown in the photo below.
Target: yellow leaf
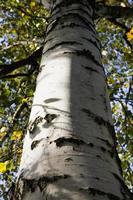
{"x": 24, "y": 100}
{"x": 22, "y": 14}
{"x": 2, "y": 167}
{"x": 32, "y": 4}
{"x": 130, "y": 34}
{"x": 16, "y": 135}
{"x": 13, "y": 31}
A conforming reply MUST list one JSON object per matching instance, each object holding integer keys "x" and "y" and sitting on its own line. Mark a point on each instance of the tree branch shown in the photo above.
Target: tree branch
{"x": 18, "y": 111}
{"x": 115, "y": 11}
{"x": 124, "y": 27}
{"x": 129, "y": 91}
{"x": 8, "y": 68}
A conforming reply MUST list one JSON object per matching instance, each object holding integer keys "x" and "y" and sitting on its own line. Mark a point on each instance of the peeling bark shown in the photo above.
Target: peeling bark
{"x": 69, "y": 151}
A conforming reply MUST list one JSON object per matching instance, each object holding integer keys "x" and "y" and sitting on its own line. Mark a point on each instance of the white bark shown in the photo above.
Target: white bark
{"x": 69, "y": 151}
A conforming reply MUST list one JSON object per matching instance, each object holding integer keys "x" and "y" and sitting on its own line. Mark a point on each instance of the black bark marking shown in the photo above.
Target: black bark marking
{"x": 111, "y": 153}
{"x": 67, "y": 43}
{"x": 51, "y": 100}
{"x": 70, "y": 10}
{"x": 48, "y": 40}
{"x": 50, "y": 117}
{"x": 60, "y": 141}
{"x": 91, "y": 144}
{"x": 24, "y": 185}
{"x": 93, "y": 42}
{"x": 72, "y": 140}
{"x": 88, "y": 54}
{"x": 72, "y": 25}
{"x": 41, "y": 67}
{"x": 68, "y": 159}
{"x": 104, "y": 100}
{"x": 32, "y": 125}
{"x": 103, "y": 149}
{"x": 35, "y": 143}
{"x": 94, "y": 192}
{"x": 98, "y": 156}
{"x": 97, "y": 178}
{"x": 124, "y": 189}
{"x": 105, "y": 141}
{"x": 90, "y": 69}
{"x": 67, "y": 3}
{"x": 62, "y": 20}
{"x": 99, "y": 120}
{"x": 85, "y": 53}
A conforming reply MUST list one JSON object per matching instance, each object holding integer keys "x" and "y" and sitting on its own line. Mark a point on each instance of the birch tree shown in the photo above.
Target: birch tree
{"x": 69, "y": 150}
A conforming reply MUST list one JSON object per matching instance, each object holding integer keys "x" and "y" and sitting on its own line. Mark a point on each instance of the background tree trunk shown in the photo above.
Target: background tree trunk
{"x": 69, "y": 150}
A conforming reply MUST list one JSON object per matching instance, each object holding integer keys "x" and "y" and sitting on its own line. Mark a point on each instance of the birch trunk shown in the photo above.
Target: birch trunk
{"x": 69, "y": 150}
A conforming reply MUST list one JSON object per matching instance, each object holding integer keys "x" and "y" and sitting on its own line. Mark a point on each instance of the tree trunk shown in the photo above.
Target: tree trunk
{"x": 69, "y": 150}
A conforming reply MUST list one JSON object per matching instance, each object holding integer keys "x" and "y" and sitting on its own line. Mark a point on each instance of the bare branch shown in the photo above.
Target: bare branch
{"x": 124, "y": 27}
{"x": 115, "y": 11}
{"x": 8, "y": 68}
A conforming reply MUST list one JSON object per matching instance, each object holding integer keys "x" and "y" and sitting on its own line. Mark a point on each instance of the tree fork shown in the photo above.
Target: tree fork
{"x": 67, "y": 151}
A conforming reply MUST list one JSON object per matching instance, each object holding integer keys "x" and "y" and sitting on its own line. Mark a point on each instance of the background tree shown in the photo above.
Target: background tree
{"x": 23, "y": 25}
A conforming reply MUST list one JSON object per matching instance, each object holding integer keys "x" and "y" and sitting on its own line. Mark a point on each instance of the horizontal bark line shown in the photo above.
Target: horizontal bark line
{"x": 98, "y": 119}
{"x": 30, "y": 185}
{"x": 90, "y": 69}
{"x": 62, "y": 141}
{"x": 75, "y": 140}
{"x": 89, "y": 37}
{"x": 84, "y": 53}
{"x": 105, "y": 141}
{"x": 95, "y": 191}
{"x": 97, "y": 44}
{"x": 70, "y": 25}
{"x": 61, "y": 43}
{"x": 101, "y": 121}
{"x": 77, "y": 17}
{"x": 70, "y": 11}
{"x": 71, "y": 41}
{"x": 124, "y": 189}
{"x": 73, "y": 16}
{"x": 71, "y": 2}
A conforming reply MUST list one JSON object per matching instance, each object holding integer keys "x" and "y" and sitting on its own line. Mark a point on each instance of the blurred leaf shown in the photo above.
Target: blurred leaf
{"x": 17, "y": 135}
{"x": 130, "y": 34}
{"x": 2, "y": 167}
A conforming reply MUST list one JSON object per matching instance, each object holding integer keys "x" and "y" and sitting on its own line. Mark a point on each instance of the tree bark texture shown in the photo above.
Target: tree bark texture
{"x": 69, "y": 150}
